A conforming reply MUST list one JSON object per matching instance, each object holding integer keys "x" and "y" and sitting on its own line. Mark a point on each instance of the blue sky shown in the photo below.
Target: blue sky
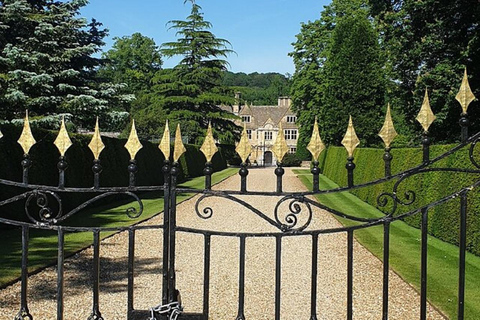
{"x": 261, "y": 31}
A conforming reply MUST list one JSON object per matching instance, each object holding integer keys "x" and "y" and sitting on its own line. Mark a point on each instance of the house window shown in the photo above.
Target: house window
{"x": 249, "y": 134}
{"x": 291, "y": 119}
{"x": 291, "y": 134}
{"x": 292, "y": 150}
{"x": 268, "y": 135}
{"x": 245, "y": 118}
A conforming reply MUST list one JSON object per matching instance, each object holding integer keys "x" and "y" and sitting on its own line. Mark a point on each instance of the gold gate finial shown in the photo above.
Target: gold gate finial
{"x": 350, "y": 140}
{"x": 179, "y": 148}
{"x": 426, "y": 116}
{"x": 209, "y": 148}
{"x": 280, "y": 147}
{"x": 388, "y": 132}
{"x": 63, "y": 142}
{"x": 244, "y": 148}
{"x": 316, "y": 145}
{"x": 26, "y": 139}
{"x": 133, "y": 144}
{"x": 465, "y": 95}
{"x": 164, "y": 145}
{"x": 96, "y": 144}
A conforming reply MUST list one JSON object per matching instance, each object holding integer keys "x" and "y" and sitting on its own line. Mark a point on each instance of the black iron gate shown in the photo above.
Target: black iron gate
{"x": 287, "y": 223}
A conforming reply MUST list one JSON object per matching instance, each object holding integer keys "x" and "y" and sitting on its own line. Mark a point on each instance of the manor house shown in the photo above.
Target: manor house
{"x": 263, "y": 123}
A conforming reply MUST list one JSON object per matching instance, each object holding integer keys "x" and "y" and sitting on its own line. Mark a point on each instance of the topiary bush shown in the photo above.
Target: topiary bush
{"x": 291, "y": 160}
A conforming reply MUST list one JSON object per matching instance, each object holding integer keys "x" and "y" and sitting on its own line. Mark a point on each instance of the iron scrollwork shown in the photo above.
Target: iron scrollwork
{"x": 46, "y": 213}
{"x": 290, "y": 219}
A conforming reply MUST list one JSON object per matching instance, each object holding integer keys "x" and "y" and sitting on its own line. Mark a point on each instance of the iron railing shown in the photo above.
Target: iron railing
{"x": 290, "y": 222}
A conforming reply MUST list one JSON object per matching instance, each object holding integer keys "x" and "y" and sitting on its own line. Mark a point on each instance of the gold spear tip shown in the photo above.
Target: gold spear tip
{"x": 244, "y": 148}
{"x": 179, "y": 148}
{"x": 316, "y": 145}
{"x": 465, "y": 95}
{"x": 350, "y": 140}
{"x": 164, "y": 145}
{"x": 133, "y": 144}
{"x": 96, "y": 144}
{"x": 280, "y": 147}
{"x": 63, "y": 142}
{"x": 388, "y": 132}
{"x": 26, "y": 139}
{"x": 209, "y": 148}
{"x": 426, "y": 117}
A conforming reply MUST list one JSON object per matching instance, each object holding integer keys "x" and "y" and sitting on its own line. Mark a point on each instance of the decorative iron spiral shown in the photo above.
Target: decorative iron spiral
{"x": 289, "y": 220}
{"x": 45, "y": 213}
{"x": 207, "y": 212}
{"x": 383, "y": 200}
{"x": 132, "y": 212}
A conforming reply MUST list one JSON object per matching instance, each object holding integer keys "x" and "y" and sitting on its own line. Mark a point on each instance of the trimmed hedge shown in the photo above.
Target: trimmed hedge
{"x": 428, "y": 187}
{"x": 114, "y": 159}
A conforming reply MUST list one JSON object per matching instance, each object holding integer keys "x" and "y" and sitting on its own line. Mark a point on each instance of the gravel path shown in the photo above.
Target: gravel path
{"x": 260, "y": 269}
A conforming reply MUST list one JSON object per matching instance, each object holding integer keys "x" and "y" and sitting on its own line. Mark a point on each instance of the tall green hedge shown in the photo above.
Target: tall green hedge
{"x": 428, "y": 187}
{"x": 114, "y": 159}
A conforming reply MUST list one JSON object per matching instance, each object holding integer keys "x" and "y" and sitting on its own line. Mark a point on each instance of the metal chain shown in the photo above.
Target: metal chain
{"x": 173, "y": 308}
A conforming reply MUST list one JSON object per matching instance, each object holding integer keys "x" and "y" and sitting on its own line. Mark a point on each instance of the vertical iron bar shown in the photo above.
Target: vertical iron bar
{"x": 206, "y": 277}
{"x": 26, "y": 164}
{"x": 166, "y": 225}
{"x": 131, "y": 268}
{"x": 132, "y": 170}
{"x": 426, "y": 147}
{"x": 350, "y": 166}
{"x": 171, "y": 241}
{"x": 386, "y": 267}
{"x": 208, "y": 175}
{"x": 97, "y": 169}
{"x": 279, "y": 172}
{"x": 24, "y": 313}
{"x": 278, "y": 275}
{"x": 464, "y": 123}
{"x": 62, "y": 166}
{"x": 60, "y": 271}
{"x": 243, "y": 177}
{"x": 313, "y": 293}
{"x": 96, "y": 315}
{"x": 387, "y": 157}
{"x": 423, "y": 288}
{"x": 463, "y": 247}
{"x": 350, "y": 274}
{"x": 315, "y": 172}
{"x": 241, "y": 281}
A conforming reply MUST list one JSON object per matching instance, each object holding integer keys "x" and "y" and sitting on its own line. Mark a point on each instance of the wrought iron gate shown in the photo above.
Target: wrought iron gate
{"x": 287, "y": 224}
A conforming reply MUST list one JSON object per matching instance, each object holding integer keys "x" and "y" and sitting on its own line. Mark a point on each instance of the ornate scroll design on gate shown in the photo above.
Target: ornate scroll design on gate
{"x": 53, "y": 214}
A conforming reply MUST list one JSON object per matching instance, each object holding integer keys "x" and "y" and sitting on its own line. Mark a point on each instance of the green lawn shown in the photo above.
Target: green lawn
{"x": 405, "y": 253}
{"x": 43, "y": 243}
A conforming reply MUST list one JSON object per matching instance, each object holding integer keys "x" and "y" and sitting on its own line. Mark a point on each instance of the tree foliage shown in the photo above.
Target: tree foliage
{"x": 258, "y": 88}
{"x": 338, "y": 71}
{"x": 46, "y": 62}
{"x": 132, "y": 60}
{"x": 429, "y": 43}
{"x": 191, "y": 92}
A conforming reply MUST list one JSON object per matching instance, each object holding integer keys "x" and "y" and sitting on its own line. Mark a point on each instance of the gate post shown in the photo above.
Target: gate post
{"x": 172, "y": 295}
{"x": 166, "y": 221}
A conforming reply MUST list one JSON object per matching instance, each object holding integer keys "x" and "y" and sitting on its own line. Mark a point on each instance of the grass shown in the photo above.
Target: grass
{"x": 405, "y": 253}
{"x": 43, "y": 243}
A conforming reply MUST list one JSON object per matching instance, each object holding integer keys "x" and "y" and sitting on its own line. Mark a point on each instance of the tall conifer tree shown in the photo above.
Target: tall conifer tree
{"x": 46, "y": 62}
{"x": 191, "y": 93}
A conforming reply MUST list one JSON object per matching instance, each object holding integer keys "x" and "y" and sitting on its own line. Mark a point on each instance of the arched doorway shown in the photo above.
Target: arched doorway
{"x": 267, "y": 158}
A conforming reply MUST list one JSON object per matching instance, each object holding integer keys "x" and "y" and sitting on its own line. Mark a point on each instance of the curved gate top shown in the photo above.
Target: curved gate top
{"x": 291, "y": 216}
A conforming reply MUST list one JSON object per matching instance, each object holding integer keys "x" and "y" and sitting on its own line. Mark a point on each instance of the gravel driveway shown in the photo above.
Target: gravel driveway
{"x": 260, "y": 269}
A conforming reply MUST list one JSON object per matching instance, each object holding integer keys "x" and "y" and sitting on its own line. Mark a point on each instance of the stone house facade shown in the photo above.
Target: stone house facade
{"x": 263, "y": 124}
